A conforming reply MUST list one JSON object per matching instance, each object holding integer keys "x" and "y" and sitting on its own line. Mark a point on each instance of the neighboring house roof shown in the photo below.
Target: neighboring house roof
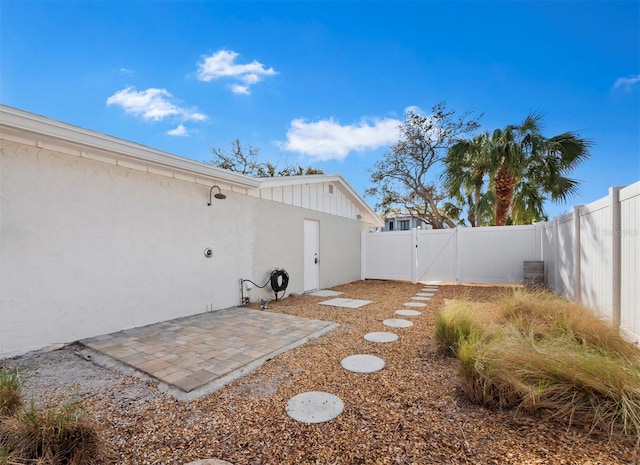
{"x": 39, "y": 131}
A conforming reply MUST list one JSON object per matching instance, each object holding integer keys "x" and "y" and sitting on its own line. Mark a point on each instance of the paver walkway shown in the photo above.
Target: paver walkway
{"x": 190, "y": 352}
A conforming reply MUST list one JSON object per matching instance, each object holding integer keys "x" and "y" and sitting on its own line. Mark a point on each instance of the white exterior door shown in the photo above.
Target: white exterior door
{"x": 311, "y": 255}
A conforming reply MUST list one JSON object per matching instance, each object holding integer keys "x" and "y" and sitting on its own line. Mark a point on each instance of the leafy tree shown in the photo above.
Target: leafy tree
{"x": 523, "y": 169}
{"x": 402, "y": 177}
{"x": 246, "y": 162}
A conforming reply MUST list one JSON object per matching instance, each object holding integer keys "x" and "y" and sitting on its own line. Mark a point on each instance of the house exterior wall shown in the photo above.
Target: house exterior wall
{"x": 88, "y": 247}
{"x": 279, "y": 243}
{"x": 403, "y": 223}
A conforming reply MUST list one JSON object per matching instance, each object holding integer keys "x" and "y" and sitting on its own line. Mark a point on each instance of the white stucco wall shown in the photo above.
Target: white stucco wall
{"x": 279, "y": 243}
{"x": 88, "y": 248}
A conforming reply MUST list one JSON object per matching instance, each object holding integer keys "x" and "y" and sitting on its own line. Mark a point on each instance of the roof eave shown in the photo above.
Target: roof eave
{"x": 39, "y": 128}
{"x": 268, "y": 182}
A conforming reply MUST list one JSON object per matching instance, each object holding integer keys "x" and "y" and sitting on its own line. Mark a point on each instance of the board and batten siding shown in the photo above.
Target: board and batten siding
{"x": 312, "y": 196}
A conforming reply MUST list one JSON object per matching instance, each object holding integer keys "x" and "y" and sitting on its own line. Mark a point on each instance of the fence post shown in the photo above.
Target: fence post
{"x": 556, "y": 254}
{"x": 458, "y": 255}
{"x": 363, "y": 255}
{"x": 414, "y": 255}
{"x": 616, "y": 255}
{"x": 577, "y": 249}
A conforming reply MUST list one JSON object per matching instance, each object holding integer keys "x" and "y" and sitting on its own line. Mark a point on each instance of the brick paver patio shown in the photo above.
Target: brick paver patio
{"x": 190, "y": 352}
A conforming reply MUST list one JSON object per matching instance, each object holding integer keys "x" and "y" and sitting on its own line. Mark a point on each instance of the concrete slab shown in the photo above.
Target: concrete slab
{"x": 414, "y": 304}
{"x": 408, "y": 312}
{"x": 324, "y": 293}
{"x": 425, "y": 294}
{"x": 196, "y": 355}
{"x": 362, "y": 363}
{"x": 314, "y": 407}
{"x": 381, "y": 337}
{"x": 421, "y": 298}
{"x": 397, "y": 323}
{"x": 346, "y": 303}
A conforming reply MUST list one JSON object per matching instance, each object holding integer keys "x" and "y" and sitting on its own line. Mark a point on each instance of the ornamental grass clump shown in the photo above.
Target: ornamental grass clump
{"x": 456, "y": 324}
{"x": 543, "y": 355}
{"x": 56, "y": 435}
{"x": 10, "y": 391}
{"x": 543, "y": 314}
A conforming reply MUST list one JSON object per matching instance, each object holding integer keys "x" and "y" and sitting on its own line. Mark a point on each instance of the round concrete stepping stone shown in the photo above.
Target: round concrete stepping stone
{"x": 421, "y": 298}
{"x": 425, "y": 294}
{"x": 362, "y": 363}
{"x": 414, "y": 304}
{"x": 209, "y": 462}
{"x": 397, "y": 323}
{"x": 408, "y": 312}
{"x": 381, "y": 337}
{"x": 314, "y": 407}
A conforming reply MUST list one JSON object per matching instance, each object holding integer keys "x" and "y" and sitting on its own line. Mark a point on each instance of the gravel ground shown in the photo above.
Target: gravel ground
{"x": 411, "y": 412}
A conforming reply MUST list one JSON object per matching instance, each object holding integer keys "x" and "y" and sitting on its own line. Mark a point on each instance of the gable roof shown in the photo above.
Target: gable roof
{"x": 366, "y": 212}
{"x": 39, "y": 131}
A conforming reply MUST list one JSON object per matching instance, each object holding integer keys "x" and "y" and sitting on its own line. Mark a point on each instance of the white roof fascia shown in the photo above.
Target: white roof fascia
{"x": 281, "y": 181}
{"x": 39, "y": 128}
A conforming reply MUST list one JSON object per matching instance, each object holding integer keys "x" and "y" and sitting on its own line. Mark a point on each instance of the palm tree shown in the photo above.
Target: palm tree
{"x": 521, "y": 167}
{"x": 526, "y": 167}
{"x": 467, "y": 167}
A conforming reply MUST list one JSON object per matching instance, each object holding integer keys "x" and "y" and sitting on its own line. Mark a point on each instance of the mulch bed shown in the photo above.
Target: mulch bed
{"x": 411, "y": 412}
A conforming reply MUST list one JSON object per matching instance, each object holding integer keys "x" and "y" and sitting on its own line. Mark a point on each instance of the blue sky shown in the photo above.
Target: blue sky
{"x": 325, "y": 84}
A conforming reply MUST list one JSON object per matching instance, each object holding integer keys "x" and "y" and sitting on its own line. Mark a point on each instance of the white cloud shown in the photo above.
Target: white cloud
{"x": 152, "y": 104}
{"x": 328, "y": 140}
{"x": 238, "y": 89}
{"x": 126, "y": 71}
{"x": 179, "y": 131}
{"x": 222, "y": 64}
{"x": 626, "y": 83}
{"x": 415, "y": 109}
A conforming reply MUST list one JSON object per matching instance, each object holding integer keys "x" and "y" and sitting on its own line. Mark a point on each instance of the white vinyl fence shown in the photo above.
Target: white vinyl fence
{"x": 591, "y": 255}
{"x": 461, "y": 255}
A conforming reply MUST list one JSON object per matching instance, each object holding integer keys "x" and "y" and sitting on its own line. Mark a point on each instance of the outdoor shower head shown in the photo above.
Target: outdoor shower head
{"x": 219, "y": 195}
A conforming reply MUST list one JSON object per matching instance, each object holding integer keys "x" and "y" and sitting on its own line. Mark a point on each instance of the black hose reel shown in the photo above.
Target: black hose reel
{"x": 279, "y": 281}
